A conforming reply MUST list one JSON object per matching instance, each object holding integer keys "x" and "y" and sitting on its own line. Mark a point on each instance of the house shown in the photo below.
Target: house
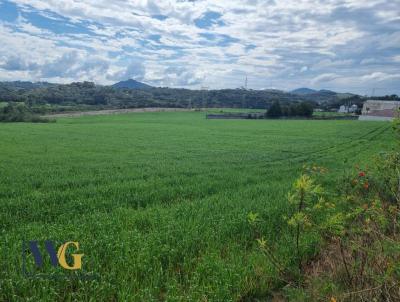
{"x": 353, "y": 108}
{"x": 348, "y": 109}
{"x": 343, "y": 109}
{"x": 375, "y": 110}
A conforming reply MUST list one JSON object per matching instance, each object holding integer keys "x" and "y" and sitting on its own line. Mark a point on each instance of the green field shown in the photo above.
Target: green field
{"x": 233, "y": 110}
{"x": 159, "y": 201}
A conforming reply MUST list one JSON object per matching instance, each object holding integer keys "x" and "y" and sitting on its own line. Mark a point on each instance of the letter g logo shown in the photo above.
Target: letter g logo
{"x": 77, "y": 264}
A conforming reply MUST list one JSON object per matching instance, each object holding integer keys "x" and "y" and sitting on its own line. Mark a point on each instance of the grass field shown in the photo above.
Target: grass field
{"x": 331, "y": 113}
{"x": 232, "y": 110}
{"x": 159, "y": 201}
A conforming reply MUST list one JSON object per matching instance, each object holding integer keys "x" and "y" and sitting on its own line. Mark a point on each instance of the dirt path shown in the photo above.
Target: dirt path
{"x": 114, "y": 111}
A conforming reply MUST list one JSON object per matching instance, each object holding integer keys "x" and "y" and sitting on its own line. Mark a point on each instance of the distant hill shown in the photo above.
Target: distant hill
{"x": 26, "y": 85}
{"x": 83, "y": 95}
{"x": 303, "y": 91}
{"x": 306, "y": 91}
{"x": 326, "y": 91}
{"x": 131, "y": 84}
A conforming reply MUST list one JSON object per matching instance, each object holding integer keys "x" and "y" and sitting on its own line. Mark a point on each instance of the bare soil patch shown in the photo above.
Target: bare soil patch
{"x": 113, "y": 111}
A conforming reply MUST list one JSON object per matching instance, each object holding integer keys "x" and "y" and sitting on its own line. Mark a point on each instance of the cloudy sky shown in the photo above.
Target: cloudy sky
{"x": 344, "y": 45}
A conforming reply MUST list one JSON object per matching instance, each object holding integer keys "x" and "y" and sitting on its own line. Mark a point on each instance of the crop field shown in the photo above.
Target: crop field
{"x": 159, "y": 201}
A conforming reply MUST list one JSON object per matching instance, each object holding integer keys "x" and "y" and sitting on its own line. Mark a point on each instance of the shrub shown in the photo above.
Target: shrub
{"x": 20, "y": 113}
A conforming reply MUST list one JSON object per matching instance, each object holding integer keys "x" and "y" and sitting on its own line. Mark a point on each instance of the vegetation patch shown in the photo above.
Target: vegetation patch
{"x": 346, "y": 245}
{"x": 17, "y": 112}
{"x": 159, "y": 203}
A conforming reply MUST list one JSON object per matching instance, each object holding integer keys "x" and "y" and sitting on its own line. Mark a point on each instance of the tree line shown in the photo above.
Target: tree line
{"x": 302, "y": 109}
{"x": 46, "y": 97}
{"x": 57, "y": 97}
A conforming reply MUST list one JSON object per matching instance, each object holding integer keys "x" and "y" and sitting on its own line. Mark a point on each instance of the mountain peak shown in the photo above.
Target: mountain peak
{"x": 131, "y": 84}
{"x": 303, "y": 90}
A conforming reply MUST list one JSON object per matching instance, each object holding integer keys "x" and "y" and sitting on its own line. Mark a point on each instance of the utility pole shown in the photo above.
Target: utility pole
{"x": 244, "y": 93}
{"x": 204, "y": 90}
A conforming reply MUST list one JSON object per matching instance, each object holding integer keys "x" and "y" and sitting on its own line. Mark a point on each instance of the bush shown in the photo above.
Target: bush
{"x": 20, "y": 113}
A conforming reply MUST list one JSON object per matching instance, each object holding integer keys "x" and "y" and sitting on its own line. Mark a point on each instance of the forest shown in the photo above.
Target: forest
{"x": 47, "y": 97}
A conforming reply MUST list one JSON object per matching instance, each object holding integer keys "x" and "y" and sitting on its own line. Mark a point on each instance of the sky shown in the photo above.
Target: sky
{"x": 342, "y": 45}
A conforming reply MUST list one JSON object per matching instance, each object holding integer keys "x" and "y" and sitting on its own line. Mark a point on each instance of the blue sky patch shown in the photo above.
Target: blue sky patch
{"x": 160, "y": 17}
{"x": 209, "y": 19}
{"x": 218, "y": 39}
{"x": 56, "y": 23}
{"x": 8, "y": 11}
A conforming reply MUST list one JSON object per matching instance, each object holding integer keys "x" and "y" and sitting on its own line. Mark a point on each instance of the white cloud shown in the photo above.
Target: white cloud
{"x": 380, "y": 76}
{"x": 326, "y": 77}
{"x": 315, "y": 42}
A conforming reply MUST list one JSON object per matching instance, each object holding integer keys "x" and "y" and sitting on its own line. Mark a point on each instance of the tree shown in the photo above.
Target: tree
{"x": 275, "y": 110}
{"x": 305, "y": 109}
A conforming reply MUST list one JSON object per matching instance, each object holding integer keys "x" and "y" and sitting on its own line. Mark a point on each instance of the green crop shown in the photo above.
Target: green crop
{"x": 159, "y": 202}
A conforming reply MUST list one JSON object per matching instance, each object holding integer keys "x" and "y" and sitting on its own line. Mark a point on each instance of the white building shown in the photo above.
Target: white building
{"x": 353, "y": 108}
{"x": 376, "y": 110}
{"x": 346, "y": 109}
